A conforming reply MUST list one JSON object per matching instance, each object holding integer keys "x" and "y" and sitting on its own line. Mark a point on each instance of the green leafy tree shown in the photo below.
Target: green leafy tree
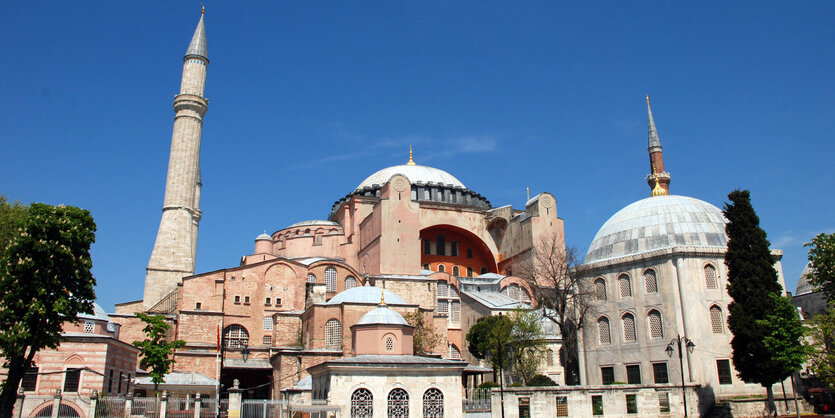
{"x": 784, "y": 335}
{"x": 45, "y": 280}
{"x": 156, "y": 351}
{"x": 822, "y": 258}
{"x": 12, "y": 216}
{"x": 753, "y": 314}
{"x": 821, "y": 346}
{"x": 484, "y": 337}
{"x": 425, "y": 339}
{"x": 527, "y": 343}
{"x": 521, "y": 339}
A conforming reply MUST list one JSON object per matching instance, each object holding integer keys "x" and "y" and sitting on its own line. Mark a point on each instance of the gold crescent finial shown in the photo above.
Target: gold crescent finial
{"x": 647, "y": 99}
{"x": 657, "y": 190}
{"x": 411, "y": 161}
{"x": 204, "y": 9}
{"x": 382, "y": 296}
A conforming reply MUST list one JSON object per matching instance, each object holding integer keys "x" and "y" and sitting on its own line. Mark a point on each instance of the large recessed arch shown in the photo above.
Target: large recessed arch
{"x": 483, "y": 253}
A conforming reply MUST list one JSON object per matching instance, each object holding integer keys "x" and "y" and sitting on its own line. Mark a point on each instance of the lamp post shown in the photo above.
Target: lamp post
{"x": 688, "y": 343}
{"x": 245, "y": 353}
{"x": 501, "y": 371}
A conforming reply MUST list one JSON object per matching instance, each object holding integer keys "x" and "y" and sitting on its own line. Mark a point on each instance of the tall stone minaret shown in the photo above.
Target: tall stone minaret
{"x": 656, "y": 158}
{"x": 176, "y": 245}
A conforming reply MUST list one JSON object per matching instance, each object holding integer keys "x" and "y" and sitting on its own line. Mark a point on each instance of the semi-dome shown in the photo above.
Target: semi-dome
{"x": 365, "y": 294}
{"x": 417, "y": 174}
{"x": 659, "y": 222}
{"x": 382, "y": 315}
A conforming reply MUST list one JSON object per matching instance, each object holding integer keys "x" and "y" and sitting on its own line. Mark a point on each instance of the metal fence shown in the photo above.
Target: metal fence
{"x": 262, "y": 408}
{"x": 111, "y": 407}
{"x": 477, "y": 400}
{"x": 145, "y": 406}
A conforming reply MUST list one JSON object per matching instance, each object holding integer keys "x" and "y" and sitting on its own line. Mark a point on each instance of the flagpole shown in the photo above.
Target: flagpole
{"x": 217, "y": 388}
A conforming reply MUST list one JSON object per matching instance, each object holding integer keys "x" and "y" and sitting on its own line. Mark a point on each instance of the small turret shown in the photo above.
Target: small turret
{"x": 264, "y": 244}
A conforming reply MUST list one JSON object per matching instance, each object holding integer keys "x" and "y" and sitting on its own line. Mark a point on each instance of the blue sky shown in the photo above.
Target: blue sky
{"x": 309, "y": 98}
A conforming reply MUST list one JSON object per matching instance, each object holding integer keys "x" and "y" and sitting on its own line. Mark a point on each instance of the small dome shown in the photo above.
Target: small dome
{"x": 264, "y": 236}
{"x": 415, "y": 174}
{"x": 98, "y": 314}
{"x": 382, "y": 315}
{"x": 659, "y": 222}
{"x": 365, "y": 294}
{"x": 803, "y": 285}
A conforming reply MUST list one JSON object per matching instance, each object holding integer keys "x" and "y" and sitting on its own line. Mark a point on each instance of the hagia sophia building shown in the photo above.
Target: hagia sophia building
{"x": 412, "y": 238}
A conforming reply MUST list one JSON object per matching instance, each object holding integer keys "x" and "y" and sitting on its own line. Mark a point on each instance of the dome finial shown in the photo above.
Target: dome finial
{"x": 382, "y": 297}
{"x": 203, "y": 11}
{"x": 657, "y": 190}
{"x": 411, "y": 161}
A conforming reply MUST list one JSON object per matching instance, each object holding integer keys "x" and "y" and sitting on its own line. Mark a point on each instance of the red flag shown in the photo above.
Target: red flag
{"x": 218, "y": 337}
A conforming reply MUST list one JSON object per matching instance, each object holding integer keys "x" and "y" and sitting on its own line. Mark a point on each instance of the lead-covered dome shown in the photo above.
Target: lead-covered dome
{"x": 417, "y": 174}
{"x": 382, "y": 315}
{"x": 659, "y": 222}
{"x": 365, "y": 294}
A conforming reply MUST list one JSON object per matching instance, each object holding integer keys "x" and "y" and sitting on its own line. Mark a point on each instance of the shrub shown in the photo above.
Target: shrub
{"x": 541, "y": 380}
{"x": 488, "y": 385}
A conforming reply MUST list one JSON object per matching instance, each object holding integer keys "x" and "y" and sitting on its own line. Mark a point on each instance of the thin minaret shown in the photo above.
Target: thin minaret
{"x": 175, "y": 248}
{"x": 656, "y": 158}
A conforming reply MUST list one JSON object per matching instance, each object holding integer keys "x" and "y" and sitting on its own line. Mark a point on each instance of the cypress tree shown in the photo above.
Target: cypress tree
{"x": 752, "y": 283}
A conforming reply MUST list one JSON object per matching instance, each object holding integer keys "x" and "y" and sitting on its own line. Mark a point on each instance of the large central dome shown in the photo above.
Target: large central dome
{"x": 417, "y": 174}
{"x": 659, "y": 222}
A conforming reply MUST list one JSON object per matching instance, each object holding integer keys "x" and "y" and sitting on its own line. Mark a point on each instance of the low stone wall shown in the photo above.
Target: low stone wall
{"x": 589, "y": 401}
{"x": 756, "y": 407}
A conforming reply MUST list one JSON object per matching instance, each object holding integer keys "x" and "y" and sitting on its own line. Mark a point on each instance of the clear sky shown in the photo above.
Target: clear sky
{"x": 309, "y": 98}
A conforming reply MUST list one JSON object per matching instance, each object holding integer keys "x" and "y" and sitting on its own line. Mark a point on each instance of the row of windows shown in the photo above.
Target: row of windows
{"x": 331, "y": 279}
{"x": 524, "y": 404}
{"x": 660, "y": 374}
{"x": 650, "y": 283}
{"x": 654, "y": 322}
{"x": 397, "y": 403}
{"x": 456, "y": 271}
{"x": 237, "y": 300}
{"x": 441, "y": 247}
{"x": 517, "y": 293}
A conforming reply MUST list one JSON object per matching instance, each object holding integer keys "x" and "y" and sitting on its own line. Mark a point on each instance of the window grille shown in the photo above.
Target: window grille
{"x": 600, "y": 289}
{"x": 723, "y": 367}
{"x": 455, "y": 312}
{"x": 333, "y": 334}
{"x": 469, "y": 272}
{"x": 453, "y": 291}
{"x": 433, "y": 403}
{"x": 607, "y": 375}
{"x": 664, "y": 402}
{"x": 652, "y": 281}
{"x": 389, "y": 343}
{"x": 659, "y": 373}
{"x": 597, "y": 404}
{"x": 454, "y": 352}
{"x": 235, "y": 336}
{"x": 633, "y": 374}
{"x": 442, "y": 289}
{"x": 628, "y": 328}
{"x": 549, "y": 357}
{"x": 362, "y": 404}
{"x": 562, "y": 406}
{"x": 30, "y": 378}
{"x": 330, "y": 279}
{"x": 656, "y": 327}
{"x": 456, "y": 271}
{"x": 89, "y": 327}
{"x": 311, "y": 278}
{"x": 268, "y": 323}
{"x": 625, "y": 286}
{"x": 267, "y": 340}
{"x": 631, "y": 403}
{"x": 72, "y": 378}
{"x": 716, "y": 322}
{"x": 526, "y": 297}
{"x": 441, "y": 268}
{"x": 710, "y": 277}
{"x": 603, "y": 331}
{"x": 398, "y": 404}
{"x": 350, "y": 282}
{"x": 524, "y": 407}
{"x": 443, "y": 306}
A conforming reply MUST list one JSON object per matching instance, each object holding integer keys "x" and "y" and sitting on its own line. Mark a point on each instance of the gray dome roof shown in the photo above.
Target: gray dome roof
{"x": 415, "y": 174}
{"x": 382, "y": 315}
{"x": 314, "y": 222}
{"x": 803, "y": 285}
{"x": 264, "y": 236}
{"x": 98, "y": 313}
{"x": 365, "y": 294}
{"x": 659, "y": 222}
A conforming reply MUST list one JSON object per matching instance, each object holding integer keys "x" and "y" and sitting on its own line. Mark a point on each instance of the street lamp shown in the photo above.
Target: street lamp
{"x": 245, "y": 353}
{"x": 688, "y": 343}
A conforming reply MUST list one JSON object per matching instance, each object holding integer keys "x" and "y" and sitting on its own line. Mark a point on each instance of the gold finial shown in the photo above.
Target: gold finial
{"x": 382, "y": 296}
{"x": 657, "y": 190}
{"x": 411, "y": 161}
{"x": 204, "y": 10}
{"x": 647, "y": 99}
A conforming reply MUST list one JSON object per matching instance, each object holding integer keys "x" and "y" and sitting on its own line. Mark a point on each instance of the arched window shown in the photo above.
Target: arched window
{"x": 600, "y": 289}
{"x": 441, "y": 245}
{"x": 710, "y": 277}
{"x": 433, "y": 403}
{"x": 549, "y": 357}
{"x": 454, "y": 352}
{"x": 426, "y": 266}
{"x": 333, "y": 334}
{"x": 603, "y": 330}
{"x": 330, "y": 279}
{"x": 717, "y": 324}
{"x": 625, "y": 286}
{"x": 350, "y": 282}
{"x": 456, "y": 271}
{"x": 441, "y": 268}
{"x": 656, "y": 327}
{"x": 469, "y": 272}
{"x": 235, "y": 336}
{"x": 628, "y": 328}
{"x": 453, "y": 291}
{"x": 362, "y": 404}
{"x": 651, "y": 280}
{"x": 389, "y": 343}
{"x": 484, "y": 270}
{"x": 311, "y": 278}
{"x": 398, "y": 404}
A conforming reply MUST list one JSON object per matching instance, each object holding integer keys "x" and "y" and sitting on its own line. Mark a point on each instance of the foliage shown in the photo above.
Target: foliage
{"x": 822, "y": 258}
{"x": 821, "y": 346}
{"x": 527, "y": 343}
{"x": 155, "y": 350}
{"x": 12, "y": 216}
{"x": 484, "y": 338}
{"x": 488, "y": 385}
{"x": 541, "y": 380}
{"x": 426, "y": 339}
{"x": 565, "y": 298}
{"x": 784, "y": 335}
{"x": 752, "y": 283}
{"x": 46, "y": 281}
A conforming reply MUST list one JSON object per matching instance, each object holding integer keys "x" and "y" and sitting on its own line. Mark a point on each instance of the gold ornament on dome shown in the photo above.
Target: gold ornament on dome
{"x": 411, "y": 161}
{"x": 657, "y": 190}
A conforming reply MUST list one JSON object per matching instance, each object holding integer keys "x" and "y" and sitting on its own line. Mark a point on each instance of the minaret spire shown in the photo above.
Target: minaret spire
{"x": 175, "y": 248}
{"x": 656, "y": 158}
{"x": 411, "y": 161}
